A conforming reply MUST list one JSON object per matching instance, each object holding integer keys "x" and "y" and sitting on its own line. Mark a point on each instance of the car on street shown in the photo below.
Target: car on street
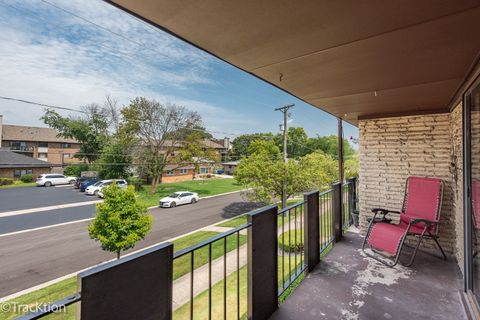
{"x": 52, "y": 179}
{"x": 178, "y": 198}
{"x": 86, "y": 183}
{"x": 95, "y": 188}
{"x": 122, "y": 184}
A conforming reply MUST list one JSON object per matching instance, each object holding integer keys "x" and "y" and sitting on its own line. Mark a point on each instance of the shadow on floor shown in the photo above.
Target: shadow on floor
{"x": 348, "y": 285}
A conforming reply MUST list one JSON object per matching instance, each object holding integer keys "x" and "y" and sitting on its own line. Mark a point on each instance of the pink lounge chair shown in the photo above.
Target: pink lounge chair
{"x": 419, "y": 218}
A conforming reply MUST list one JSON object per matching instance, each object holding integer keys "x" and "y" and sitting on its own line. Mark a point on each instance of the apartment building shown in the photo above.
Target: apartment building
{"x": 39, "y": 143}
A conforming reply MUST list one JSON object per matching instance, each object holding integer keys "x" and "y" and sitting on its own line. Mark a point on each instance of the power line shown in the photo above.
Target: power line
{"x": 41, "y": 104}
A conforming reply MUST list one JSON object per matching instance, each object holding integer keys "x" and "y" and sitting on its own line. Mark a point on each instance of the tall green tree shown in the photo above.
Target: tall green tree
{"x": 120, "y": 221}
{"x": 90, "y": 129}
{"x": 241, "y": 143}
{"x": 320, "y": 170}
{"x": 158, "y": 128}
{"x": 329, "y": 145}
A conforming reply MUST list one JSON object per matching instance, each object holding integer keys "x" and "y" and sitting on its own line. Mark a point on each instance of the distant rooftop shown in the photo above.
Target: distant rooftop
{"x": 27, "y": 133}
{"x": 10, "y": 159}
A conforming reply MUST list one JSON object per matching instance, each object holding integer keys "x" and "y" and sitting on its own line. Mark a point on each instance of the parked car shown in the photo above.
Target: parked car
{"x": 79, "y": 182}
{"x": 178, "y": 198}
{"x": 120, "y": 183}
{"x": 86, "y": 183}
{"x": 95, "y": 188}
{"x": 51, "y": 179}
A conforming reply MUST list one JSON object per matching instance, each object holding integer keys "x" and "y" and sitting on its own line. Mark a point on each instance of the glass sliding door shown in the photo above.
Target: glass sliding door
{"x": 472, "y": 194}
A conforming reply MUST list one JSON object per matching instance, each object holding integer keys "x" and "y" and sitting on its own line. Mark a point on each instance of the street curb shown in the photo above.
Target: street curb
{"x": 53, "y": 281}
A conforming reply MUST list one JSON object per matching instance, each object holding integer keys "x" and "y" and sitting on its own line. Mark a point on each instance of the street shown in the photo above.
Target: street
{"x": 33, "y": 257}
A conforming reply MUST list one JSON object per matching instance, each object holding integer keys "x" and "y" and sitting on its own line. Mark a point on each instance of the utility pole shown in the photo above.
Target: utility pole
{"x": 284, "y": 110}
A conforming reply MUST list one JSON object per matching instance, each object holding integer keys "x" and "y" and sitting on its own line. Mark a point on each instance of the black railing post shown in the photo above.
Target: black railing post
{"x": 138, "y": 286}
{"x": 352, "y": 194}
{"x": 312, "y": 230}
{"x": 262, "y": 263}
{"x": 337, "y": 210}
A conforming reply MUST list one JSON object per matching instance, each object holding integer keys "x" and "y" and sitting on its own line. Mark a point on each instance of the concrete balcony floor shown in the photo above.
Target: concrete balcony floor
{"x": 349, "y": 285}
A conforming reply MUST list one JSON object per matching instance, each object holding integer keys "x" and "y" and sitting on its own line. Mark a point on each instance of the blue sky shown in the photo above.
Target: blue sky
{"x": 55, "y": 57}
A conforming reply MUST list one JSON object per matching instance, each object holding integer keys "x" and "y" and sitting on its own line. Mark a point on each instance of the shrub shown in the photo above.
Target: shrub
{"x": 27, "y": 178}
{"x": 137, "y": 183}
{"x": 73, "y": 171}
{"x": 5, "y": 181}
{"x": 294, "y": 245}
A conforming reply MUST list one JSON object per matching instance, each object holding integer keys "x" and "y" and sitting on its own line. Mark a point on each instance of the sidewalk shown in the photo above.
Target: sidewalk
{"x": 181, "y": 286}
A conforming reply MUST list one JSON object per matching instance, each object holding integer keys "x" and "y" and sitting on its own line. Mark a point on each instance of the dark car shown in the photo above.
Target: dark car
{"x": 87, "y": 183}
{"x": 80, "y": 180}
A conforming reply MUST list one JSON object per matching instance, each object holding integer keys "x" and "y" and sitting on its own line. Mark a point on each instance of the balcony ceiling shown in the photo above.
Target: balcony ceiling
{"x": 352, "y": 59}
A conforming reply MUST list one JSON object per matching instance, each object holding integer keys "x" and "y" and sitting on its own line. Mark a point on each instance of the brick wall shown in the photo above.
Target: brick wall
{"x": 391, "y": 149}
{"x": 8, "y": 172}
{"x": 457, "y": 179}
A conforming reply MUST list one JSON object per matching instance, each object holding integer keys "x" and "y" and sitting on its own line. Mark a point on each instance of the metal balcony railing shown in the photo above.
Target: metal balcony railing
{"x": 226, "y": 276}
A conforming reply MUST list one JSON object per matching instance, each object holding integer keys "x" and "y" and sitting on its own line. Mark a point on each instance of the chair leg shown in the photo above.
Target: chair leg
{"x": 420, "y": 238}
{"x": 440, "y": 247}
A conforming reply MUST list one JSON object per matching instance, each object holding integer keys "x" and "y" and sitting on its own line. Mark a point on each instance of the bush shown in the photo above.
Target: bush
{"x": 73, "y": 171}
{"x": 294, "y": 245}
{"x": 137, "y": 183}
{"x": 5, "y": 181}
{"x": 27, "y": 178}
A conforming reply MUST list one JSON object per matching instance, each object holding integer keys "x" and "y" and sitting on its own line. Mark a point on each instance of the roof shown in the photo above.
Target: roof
{"x": 10, "y": 159}
{"x": 26, "y": 133}
{"x": 177, "y": 166}
{"x": 231, "y": 163}
{"x": 353, "y": 59}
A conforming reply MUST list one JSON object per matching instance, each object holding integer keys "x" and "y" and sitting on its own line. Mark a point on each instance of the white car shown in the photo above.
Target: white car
{"x": 97, "y": 187}
{"x": 52, "y": 179}
{"x": 178, "y": 198}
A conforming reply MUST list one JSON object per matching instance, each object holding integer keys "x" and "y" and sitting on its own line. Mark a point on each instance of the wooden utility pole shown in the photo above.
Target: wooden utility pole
{"x": 340, "y": 150}
{"x": 284, "y": 110}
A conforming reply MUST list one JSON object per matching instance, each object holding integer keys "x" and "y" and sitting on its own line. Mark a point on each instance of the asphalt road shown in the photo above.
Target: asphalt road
{"x": 35, "y": 197}
{"x": 31, "y": 258}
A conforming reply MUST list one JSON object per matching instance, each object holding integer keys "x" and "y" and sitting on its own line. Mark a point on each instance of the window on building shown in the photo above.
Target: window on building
{"x": 170, "y": 173}
{"x": 183, "y": 171}
{"x": 43, "y": 144}
{"x": 17, "y": 173}
{"x": 66, "y": 156}
{"x": 203, "y": 170}
{"x": 66, "y": 145}
{"x": 42, "y": 155}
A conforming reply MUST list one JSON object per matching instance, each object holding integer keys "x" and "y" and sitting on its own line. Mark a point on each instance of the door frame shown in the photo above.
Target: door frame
{"x": 471, "y": 299}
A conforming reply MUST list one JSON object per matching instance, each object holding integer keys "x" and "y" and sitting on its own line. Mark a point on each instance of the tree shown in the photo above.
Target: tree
{"x": 329, "y": 145}
{"x": 351, "y": 166}
{"x": 297, "y": 140}
{"x": 116, "y": 158}
{"x": 241, "y": 143}
{"x": 158, "y": 128}
{"x": 183, "y": 133}
{"x": 90, "y": 129}
{"x": 267, "y": 147}
{"x": 120, "y": 221}
{"x": 263, "y": 173}
{"x": 320, "y": 170}
{"x": 195, "y": 151}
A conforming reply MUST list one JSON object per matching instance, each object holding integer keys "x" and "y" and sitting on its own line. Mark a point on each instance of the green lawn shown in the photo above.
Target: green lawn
{"x": 19, "y": 184}
{"x": 181, "y": 267}
{"x": 204, "y": 188}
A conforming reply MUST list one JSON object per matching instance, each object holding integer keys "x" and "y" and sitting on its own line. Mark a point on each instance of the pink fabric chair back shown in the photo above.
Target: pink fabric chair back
{"x": 476, "y": 203}
{"x": 422, "y": 199}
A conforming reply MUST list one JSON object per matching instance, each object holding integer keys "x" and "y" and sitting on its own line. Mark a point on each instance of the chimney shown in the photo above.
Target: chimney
{"x": 226, "y": 143}
{"x": 1, "y": 132}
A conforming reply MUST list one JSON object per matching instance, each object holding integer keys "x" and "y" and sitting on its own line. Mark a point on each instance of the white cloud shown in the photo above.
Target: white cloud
{"x": 55, "y": 58}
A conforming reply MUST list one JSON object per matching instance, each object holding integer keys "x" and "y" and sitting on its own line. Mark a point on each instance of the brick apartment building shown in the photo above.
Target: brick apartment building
{"x": 39, "y": 143}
